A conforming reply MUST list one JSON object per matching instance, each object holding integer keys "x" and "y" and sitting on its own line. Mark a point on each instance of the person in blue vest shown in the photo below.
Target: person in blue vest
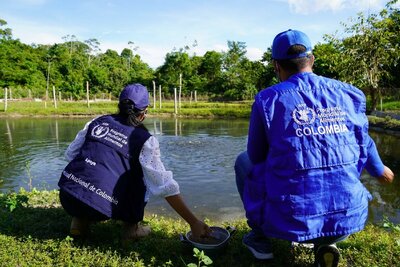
{"x": 308, "y": 143}
{"x": 115, "y": 167}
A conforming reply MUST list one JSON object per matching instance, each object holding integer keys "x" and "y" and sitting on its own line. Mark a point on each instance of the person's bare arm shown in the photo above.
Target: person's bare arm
{"x": 199, "y": 228}
{"x": 387, "y": 176}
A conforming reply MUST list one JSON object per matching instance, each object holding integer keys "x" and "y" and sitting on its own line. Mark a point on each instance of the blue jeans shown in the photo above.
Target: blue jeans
{"x": 243, "y": 167}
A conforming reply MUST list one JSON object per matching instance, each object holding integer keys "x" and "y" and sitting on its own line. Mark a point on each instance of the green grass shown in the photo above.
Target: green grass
{"x": 239, "y": 109}
{"x": 35, "y": 233}
{"x": 390, "y": 105}
{"x": 63, "y": 108}
{"x": 194, "y": 109}
{"x": 386, "y": 123}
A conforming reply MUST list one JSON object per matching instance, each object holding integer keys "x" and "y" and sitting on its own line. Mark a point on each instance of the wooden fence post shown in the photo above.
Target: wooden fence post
{"x": 5, "y": 99}
{"x": 46, "y": 98}
{"x": 159, "y": 92}
{"x": 175, "y": 104}
{"x": 154, "y": 95}
{"x": 87, "y": 94}
{"x": 180, "y": 89}
{"x": 54, "y": 97}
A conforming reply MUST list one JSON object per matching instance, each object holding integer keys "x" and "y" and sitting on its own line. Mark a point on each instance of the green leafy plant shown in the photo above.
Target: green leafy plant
{"x": 388, "y": 224}
{"x": 13, "y": 201}
{"x": 392, "y": 227}
{"x": 203, "y": 259}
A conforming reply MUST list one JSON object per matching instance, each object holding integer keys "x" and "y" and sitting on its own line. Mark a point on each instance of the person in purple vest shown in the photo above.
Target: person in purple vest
{"x": 308, "y": 143}
{"x": 114, "y": 167}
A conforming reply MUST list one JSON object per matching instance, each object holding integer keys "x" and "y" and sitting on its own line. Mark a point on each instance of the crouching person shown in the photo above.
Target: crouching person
{"x": 114, "y": 167}
{"x": 308, "y": 144}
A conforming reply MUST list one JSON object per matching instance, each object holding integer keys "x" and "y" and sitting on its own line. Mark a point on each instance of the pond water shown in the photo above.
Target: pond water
{"x": 200, "y": 152}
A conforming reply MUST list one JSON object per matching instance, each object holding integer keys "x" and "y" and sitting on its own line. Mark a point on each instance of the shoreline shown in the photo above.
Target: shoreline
{"x": 388, "y": 123}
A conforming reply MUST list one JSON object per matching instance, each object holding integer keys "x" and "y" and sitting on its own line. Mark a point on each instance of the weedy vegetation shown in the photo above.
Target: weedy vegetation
{"x": 34, "y": 232}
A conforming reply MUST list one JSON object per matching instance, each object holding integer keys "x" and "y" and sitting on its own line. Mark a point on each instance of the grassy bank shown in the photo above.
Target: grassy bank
{"x": 34, "y": 232}
{"x": 387, "y": 123}
{"x": 194, "y": 109}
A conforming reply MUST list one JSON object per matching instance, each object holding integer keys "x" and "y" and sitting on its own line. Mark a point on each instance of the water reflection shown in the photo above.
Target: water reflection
{"x": 201, "y": 154}
{"x": 9, "y": 133}
{"x": 56, "y": 123}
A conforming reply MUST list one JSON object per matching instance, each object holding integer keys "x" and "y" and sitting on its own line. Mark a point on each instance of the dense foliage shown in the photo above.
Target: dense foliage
{"x": 367, "y": 56}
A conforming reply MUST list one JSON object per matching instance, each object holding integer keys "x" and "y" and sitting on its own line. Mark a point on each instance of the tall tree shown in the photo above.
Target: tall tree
{"x": 393, "y": 27}
{"x": 210, "y": 72}
{"x": 367, "y": 52}
{"x": 269, "y": 77}
{"x": 117, "y": 75}
{"x": 238, "y": 81}
{"x": 19, "y": 66}
{"x": 327, "y": 56}
{"x": 6, "y": 33}
{"x": 93, "y": 48}
{"x": 176, "y": 63}
{"x": 140, "y": 72}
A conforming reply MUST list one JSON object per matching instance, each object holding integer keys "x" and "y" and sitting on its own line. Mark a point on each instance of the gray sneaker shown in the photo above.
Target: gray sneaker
{"x": 259, "y": 245}
{"x": 327, "y": 256}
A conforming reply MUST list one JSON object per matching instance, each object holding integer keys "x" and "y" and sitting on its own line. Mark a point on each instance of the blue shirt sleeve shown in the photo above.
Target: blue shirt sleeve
{"x": 374, "y": 164}
{"x": 257, "y": 144}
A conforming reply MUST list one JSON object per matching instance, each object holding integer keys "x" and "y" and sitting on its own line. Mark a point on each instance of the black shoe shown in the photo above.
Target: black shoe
{"x": 79, "y": 227}
{"x": 327, "y": 256}
{"x": 259, "y": 245}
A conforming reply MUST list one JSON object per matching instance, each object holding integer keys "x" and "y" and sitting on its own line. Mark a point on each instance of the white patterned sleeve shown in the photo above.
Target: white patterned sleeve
{"x": 158, "y": 180}
{"x": 73, "y": 148}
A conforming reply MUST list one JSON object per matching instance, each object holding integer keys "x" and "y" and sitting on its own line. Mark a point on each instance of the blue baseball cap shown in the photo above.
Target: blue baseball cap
{"x": 137, "y": 93}
{"x": 284, "y": 40}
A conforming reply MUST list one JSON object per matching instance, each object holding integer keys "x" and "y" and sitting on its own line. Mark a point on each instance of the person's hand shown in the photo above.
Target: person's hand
{"x": 200, "y": 230}
{"x": 387, "y": 176}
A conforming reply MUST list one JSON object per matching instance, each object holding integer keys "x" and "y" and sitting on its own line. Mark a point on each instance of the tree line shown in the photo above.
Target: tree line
{"x": 364, "y": 53}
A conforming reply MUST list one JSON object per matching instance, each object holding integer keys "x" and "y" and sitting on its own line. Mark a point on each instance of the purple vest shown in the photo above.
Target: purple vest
{"x": 106, "y": 174}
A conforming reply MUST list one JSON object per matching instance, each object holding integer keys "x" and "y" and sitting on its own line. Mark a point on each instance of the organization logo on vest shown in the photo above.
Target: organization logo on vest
{"x": 100, "y": 131}
{"x": 305, "y": 116}
{"x": 110, "y": 135}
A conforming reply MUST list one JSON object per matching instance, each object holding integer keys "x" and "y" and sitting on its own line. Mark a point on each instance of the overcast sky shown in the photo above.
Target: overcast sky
{"x": 158, "y": 26}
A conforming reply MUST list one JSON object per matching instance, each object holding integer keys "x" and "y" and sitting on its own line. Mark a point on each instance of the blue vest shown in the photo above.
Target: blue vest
{"x": 309, "y": 186}
{"x": 106, "y": 174}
